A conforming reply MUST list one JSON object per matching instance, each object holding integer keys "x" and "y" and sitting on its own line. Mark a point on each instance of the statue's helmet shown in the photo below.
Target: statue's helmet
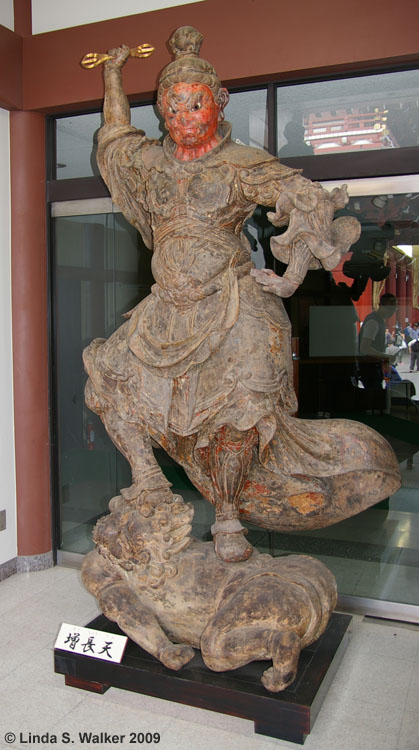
{"x": 188, "y": 67}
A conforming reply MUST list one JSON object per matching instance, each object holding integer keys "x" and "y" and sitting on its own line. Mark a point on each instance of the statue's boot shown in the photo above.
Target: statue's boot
{"x": 230, "y": 455}
{"x": 230, "y": 542}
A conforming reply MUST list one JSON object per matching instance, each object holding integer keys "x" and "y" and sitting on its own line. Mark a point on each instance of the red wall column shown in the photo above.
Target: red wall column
{"x": 409, "y": 295}
{"x": 390, "y": 287}
{"x": 29, "y": 324}
{"x": 401, "y": 294}
{"x": 23, "y": 17}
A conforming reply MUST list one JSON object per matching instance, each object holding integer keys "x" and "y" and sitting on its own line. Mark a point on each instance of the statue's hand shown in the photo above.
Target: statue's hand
{"x": 118, "y": 57}
{"x": 270, "y": 282}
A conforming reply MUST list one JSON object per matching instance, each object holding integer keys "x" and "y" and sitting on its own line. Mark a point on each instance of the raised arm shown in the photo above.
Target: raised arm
{"x": 119, "y": 145}
{"x": 116, "y": 108}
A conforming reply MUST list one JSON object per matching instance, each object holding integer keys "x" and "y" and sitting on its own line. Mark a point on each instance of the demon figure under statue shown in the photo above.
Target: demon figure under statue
{"x": 203, "y": 368}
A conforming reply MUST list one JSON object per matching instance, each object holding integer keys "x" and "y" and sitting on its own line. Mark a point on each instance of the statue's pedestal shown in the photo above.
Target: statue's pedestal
{"x": 289, "y": 715}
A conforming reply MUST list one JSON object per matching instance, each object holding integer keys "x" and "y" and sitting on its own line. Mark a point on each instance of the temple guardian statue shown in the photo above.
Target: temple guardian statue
{"x": 203, "y": 368}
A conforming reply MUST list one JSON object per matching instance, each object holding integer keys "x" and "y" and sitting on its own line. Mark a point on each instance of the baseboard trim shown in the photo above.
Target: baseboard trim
{"x": 8, "y": 568}
{"x": 30, "y": 563}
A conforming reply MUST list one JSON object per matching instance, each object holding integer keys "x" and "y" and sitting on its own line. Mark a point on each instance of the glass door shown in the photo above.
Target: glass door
{"x": 101, "y": 269}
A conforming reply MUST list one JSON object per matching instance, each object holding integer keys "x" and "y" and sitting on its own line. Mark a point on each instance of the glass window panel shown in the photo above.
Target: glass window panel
{"x": 77, "y": 136}
{"x": 247, "y": 113}
{"x": 76, "y": 145}
{"x": 350, "y": 114}
{"x": 329, "y": 308}
{"x": 102, "y": 269}
{"x": 149, "y": 119}
{"x": 374, "y": 554}
{"x": 77, "y": 139}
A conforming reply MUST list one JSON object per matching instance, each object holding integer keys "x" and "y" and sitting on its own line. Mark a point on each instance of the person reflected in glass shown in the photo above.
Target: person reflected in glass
{"x": 296, "y": 145}
{"x": 414, "y": 347}
{"x": 372, "y": 343}
{"x": 399, "y": 342}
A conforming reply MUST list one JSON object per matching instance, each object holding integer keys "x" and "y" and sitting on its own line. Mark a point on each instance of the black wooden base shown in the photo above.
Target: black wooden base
{"x": 289, "y": 715}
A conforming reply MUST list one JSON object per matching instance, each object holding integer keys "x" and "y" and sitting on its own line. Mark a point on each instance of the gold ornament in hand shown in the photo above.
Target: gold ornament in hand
{"x": 93, "y": 59}
{"x": 143, "y": 50}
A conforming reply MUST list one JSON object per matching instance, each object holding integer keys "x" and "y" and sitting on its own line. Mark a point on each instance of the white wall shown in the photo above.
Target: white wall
{"x": 7, "y": 14}
{"x": 8, "y": 546}
{"x": 50, "y": 15}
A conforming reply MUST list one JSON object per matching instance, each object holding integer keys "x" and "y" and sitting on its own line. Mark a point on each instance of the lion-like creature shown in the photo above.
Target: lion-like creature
{"x": 170, "y": 593}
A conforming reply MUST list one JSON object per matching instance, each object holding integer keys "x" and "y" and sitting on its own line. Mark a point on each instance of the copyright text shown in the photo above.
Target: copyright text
{"x": 82, "y": 738}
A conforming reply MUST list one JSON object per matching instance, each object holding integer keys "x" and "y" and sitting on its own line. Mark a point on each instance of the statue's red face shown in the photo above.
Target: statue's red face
{"x": 191, "y": 117}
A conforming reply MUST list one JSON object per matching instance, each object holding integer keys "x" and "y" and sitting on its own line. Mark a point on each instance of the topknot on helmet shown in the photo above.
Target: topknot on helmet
{"x": 187, "y": 67}
{"x": 186, "y": 41}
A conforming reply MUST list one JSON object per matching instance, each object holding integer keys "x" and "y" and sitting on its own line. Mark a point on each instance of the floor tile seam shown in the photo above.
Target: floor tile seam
{"x": 62, "y": 607}
{"x": 26, "y": 590}
{"x": 106, "y": 699}
{"x": 339, "y": 689}
{"x": 91, "y": 697}
{"x": 405, "y": 712}
{"x": 27, "y": 600}
{"x": 61, "y": 688}
{"x": 172, "y": 721}
{"x": 57, "y": 573}
{"x": 159, "y": 714}
{"x": 402, "y": 638}
{"x": 230, "y": 732}
{"x": 59, "y": 603}
{"x": 35, "y": 650}
{"x": 45, "y": 641}
{"x": 381, "y": 655}
{"x": 67, "y": 713}
{"x": 354, "y": 644}
{"x": 412, "y": 676}
{"x": 24, "y": 660}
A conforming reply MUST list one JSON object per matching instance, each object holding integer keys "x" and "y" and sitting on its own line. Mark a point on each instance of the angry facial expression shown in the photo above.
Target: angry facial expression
{"x": 191, "y": 114}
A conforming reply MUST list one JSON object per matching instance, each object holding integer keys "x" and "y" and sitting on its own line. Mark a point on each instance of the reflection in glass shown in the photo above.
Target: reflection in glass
{"x": 376, "y": 553}
{"x": 77, "y": 139}
{"x": 101, "y": 269}
{"x": 77, "y": 135}
{"x": 329, "y": 309}
{"x": 350, "y": 114}
{"x": 247, "y": 113}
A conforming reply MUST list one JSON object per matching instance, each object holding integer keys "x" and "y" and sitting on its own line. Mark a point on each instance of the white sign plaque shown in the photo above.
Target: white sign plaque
{"x": 89, "y": 642}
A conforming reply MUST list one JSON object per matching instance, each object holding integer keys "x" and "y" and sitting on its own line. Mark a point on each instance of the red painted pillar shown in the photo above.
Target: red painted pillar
{"x": 30, "y": 340}
{"x": 23, "y": 17}
{"x": 409, "y": 294}
{"x": 401, "y": 293}
{"x": 390, "y": 287}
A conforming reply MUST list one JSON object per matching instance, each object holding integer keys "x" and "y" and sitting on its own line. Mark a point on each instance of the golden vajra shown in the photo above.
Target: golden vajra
{"x": 93, "y": 59}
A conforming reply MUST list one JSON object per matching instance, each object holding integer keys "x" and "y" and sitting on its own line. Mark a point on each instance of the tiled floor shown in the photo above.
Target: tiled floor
{"x": 372, "y": 705}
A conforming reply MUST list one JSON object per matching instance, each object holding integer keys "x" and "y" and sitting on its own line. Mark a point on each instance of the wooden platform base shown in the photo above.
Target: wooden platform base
{"x": 289, "y": 715}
